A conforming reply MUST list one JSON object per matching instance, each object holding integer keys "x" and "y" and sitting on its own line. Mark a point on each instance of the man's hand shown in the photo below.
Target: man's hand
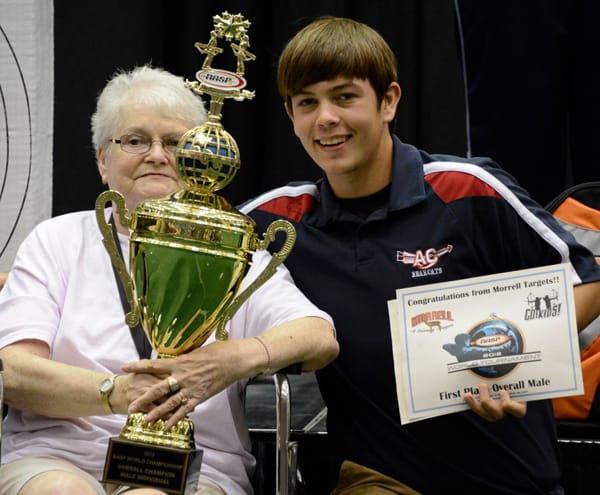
{"x": 492, "y": 409}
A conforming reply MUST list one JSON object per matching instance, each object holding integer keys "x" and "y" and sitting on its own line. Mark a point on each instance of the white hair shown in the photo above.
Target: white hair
{"x": 151, "y": 87}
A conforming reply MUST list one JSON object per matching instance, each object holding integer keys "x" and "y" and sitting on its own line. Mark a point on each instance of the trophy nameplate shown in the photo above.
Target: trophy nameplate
{"x": 135, "y": 463}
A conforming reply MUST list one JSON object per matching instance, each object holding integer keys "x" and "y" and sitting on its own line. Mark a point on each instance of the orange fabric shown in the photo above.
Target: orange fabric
{"x": 585, "y": 216}
{"x": 578, "y": 406}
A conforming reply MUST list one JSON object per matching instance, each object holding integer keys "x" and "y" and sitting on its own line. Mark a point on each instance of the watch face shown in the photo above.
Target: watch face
{"x": 106, "y": 385}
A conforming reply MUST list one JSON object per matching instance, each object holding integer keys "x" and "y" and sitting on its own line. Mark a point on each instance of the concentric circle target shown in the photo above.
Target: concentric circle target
{"x": 15, "y": 141}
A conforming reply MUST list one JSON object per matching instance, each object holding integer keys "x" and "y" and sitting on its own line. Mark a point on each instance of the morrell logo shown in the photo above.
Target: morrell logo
{"x": 221, "y": 79}
{"x": 432, "y": 320}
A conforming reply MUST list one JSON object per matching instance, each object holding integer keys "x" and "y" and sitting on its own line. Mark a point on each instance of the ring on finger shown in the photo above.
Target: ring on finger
{"x": 173, "y": 384}
{"x": 183, "y": 399}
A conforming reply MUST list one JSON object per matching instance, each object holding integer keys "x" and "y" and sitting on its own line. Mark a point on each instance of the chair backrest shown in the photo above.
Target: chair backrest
{"x": 577, "y": 209}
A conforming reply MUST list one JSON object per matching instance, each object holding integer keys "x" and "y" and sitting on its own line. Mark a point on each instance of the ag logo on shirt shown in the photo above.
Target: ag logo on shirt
{"x": 423, "y": 260}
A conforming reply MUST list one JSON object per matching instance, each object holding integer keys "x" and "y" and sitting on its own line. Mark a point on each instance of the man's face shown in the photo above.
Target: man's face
{"x": 345, "y": 131}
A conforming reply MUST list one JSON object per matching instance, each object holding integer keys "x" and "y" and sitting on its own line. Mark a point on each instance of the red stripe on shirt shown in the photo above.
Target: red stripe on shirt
{"x": 450, "y": 186}
{"x": 291, "y": 207}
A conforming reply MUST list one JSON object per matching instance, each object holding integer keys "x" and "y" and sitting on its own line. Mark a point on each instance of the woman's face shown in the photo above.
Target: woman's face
{"x": 148, "y": 175}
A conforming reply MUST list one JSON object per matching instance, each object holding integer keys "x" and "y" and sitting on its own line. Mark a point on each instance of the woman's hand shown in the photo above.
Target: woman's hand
{"x": 188, "y": 380}
{"x": 129, "y": 387}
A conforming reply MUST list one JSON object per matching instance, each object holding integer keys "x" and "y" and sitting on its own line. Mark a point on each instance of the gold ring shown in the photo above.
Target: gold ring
{"x": 184, "y": 399}
{"x": 173, "y": 384}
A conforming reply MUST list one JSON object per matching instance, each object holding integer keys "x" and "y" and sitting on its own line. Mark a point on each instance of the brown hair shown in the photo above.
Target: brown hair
{"x": 331, "y": 47}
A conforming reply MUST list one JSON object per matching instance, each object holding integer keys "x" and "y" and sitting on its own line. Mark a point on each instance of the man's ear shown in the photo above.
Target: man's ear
{"x": 288, "y": 110}
{"x": 390, "y": 101}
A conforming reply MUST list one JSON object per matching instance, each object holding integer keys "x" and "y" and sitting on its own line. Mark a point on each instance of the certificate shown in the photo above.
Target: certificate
{"x": 515, "y": 331}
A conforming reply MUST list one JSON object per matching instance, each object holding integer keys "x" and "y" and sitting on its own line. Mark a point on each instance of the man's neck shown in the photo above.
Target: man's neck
{"x": 366, "y": 179}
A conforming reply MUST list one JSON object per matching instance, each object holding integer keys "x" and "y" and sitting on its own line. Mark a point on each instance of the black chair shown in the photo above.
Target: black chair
{"x": 289, "y": 438}
{"x": 579, "y": 449}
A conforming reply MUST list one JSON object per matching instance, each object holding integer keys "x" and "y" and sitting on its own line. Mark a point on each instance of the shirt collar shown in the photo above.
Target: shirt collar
{"x": 407, "y": 189}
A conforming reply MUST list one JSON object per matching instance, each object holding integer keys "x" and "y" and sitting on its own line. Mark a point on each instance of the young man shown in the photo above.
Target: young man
{"x": 379, "y": 197}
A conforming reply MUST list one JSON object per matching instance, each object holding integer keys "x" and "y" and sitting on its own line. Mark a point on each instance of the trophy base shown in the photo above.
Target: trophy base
{"x": 139, "y": 464}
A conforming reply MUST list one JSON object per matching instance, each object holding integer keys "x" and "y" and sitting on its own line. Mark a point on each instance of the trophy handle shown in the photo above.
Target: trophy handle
{"x": 110, "y": 243}
{"x": 276, "y": 260}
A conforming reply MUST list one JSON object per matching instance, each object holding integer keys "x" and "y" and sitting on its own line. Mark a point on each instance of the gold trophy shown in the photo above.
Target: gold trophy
{"x": 188, "y": 253}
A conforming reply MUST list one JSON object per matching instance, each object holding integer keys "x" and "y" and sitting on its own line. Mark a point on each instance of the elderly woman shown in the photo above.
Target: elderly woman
{"x": 63, "y": 336}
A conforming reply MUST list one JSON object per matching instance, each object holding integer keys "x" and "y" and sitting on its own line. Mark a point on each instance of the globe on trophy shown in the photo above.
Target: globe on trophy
{"x": 188, "y": 255}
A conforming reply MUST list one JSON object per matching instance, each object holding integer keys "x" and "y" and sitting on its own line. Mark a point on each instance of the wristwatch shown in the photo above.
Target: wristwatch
{"x": 106, "y": 387}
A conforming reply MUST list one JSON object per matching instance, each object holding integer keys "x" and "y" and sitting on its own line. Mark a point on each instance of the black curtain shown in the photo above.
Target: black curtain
{"x": 533, "y": 80}
{"x": 93, "y": 39}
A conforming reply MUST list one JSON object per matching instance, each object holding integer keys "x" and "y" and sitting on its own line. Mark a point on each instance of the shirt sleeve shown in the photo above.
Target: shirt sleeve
{"x": 30, "y": 301}
{"x": 275, "y": 302}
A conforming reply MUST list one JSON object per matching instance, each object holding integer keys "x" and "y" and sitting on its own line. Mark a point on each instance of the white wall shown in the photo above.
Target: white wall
{"x": 26, "y": 120}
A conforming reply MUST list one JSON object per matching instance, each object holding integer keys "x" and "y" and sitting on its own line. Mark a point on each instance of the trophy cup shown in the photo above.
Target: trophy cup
{"x": 188, "y": 253}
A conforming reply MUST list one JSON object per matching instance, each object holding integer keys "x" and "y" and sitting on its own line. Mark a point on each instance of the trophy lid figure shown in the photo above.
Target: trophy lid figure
{"x": 209, "y": 156}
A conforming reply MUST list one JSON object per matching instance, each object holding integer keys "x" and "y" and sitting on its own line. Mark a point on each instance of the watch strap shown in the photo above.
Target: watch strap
{"x": 105, "y": 394}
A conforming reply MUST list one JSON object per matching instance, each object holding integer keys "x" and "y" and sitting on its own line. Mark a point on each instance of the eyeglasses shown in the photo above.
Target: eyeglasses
{"x": 133, "y": 143}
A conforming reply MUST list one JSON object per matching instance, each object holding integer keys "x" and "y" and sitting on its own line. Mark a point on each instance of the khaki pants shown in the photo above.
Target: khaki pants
{"x": 355, "y": 479}
{"x": 14, "y": 475}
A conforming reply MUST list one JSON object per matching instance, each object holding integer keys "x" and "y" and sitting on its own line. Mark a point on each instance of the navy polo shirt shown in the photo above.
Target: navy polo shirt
{"x": 447, "y": 218}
